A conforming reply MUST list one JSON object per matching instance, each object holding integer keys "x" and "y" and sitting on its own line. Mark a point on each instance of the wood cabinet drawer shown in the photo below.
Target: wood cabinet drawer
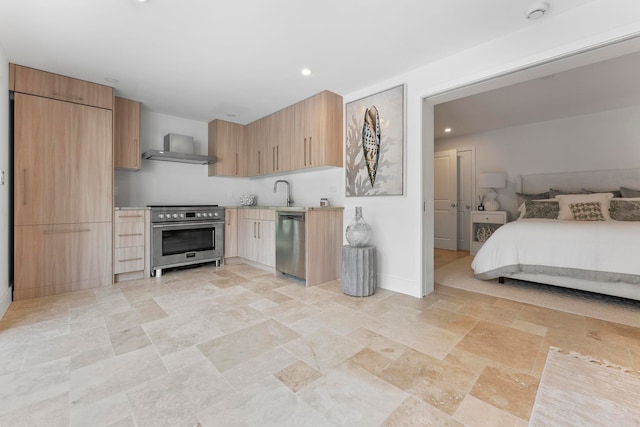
{"x": 49, "y": 85}
{"x": 129, "y": 259}
{"x": 129, "y": 234}
{"x": 259, "y": 214}
{"x": 489, "y": 218}
{"x": 130, "y": 216}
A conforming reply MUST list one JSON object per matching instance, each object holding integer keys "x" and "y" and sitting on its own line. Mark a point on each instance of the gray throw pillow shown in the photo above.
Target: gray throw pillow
{"x": 546, "y": 209}
{"x": 553, "y": 192}
{"x": 523, "y": 197}
{"x": 616, "y": 193}
{"x": 629, "y": 192}
{"x": 624, "y": 210}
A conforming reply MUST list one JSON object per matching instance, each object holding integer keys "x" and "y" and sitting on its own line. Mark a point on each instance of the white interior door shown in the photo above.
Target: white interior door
{"x": 445, "y": 195}
{"x": 465, "y": 198}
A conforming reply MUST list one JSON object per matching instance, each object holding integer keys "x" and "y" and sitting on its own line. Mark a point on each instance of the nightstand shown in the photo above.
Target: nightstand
{"x": 483, "y": 224}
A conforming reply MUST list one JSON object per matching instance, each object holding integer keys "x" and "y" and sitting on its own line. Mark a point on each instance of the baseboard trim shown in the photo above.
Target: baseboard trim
{"x": 5, "y": 301}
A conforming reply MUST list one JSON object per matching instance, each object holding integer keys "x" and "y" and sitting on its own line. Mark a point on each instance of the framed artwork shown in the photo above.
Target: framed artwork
{"x": 374, "y": 159}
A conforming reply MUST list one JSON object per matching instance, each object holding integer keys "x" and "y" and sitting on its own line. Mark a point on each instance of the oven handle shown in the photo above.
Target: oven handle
{"x": 182, "y": 224}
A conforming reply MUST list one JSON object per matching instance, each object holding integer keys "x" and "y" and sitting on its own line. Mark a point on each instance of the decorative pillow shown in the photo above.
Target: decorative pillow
{"x": 616, "y": 193}
{"x": 586, "y": 211}
{"x": 629, "y": 192}
{"x": 547, "y": 209}
{"x": 566, "y": 199}
{"x": 523, "y": 197}
{"x": 625, "y": 209}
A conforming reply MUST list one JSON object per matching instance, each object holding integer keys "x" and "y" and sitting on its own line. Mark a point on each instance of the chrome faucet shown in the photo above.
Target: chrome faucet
{"x": 275, "y": 187}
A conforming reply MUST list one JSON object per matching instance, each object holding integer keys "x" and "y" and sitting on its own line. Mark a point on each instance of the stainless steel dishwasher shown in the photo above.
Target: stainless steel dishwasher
{"x": 291, "y": 244}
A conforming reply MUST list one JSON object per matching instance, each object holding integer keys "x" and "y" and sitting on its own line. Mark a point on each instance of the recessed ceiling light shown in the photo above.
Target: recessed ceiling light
{"x": 143, "y": 1}
{"x": 111, "y": 80}
{"x": 447, "y": 130}
{"x": 305, "y": 72}
{"x": 537, "y": 10}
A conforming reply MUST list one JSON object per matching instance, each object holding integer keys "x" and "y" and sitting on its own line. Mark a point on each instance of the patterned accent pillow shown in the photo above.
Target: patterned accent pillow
{"x": 547, "y": 209}
{"x": 586, "y": 211}
{"x": 625, "y": 210}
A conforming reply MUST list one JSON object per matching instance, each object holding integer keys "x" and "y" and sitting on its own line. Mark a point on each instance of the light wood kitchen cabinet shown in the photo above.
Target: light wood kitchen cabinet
{"x": 324, "y": 245}
{"x": 126, "y": 136}
{"x": 49, "y": 85}
{"x": 279, "y": 140}
{"x": 231, "y": 233}
{"x": 227, "y": 143}
{"x": 53, "y": 259}
{"x": 62, "y": 162}
{"x": 256, "y": 146}
{"x": 318, "y": 131}
{"x": 257, "y": 236}
{"x": 63, "y": 192}
{"x": 131, "y": 242}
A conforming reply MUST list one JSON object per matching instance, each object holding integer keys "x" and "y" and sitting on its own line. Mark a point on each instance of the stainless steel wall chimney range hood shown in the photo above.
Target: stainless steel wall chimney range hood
{"x": 178, "y": 148}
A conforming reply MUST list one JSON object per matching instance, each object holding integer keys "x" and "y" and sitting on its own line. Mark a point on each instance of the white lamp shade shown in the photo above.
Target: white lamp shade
{"x": 493, "y": 180}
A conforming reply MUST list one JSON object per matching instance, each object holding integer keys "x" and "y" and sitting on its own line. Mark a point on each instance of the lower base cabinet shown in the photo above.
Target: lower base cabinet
{"x": 52, "y": 259}
{"x": 257, "y": 236}
{"x": 131, "y": 244}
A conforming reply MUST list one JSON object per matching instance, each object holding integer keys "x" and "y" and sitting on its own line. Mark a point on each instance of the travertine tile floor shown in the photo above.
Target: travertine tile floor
{"x": 236, "y": 346}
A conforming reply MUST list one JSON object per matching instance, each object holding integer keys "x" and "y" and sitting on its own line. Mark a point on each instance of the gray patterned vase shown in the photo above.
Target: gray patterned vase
{"x": 358, "y": 231}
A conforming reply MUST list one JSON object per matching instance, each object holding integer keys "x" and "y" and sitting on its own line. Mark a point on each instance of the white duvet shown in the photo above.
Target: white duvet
{"x": 592, "y": 250}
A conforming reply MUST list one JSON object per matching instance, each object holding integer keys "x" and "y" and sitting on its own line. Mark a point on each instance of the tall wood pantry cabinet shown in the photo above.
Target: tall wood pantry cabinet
{"x": 63, "y": 184}
{"x": 126, "y": 134}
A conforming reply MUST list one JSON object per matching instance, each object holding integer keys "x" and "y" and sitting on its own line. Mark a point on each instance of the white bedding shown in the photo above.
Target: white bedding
{"x": 604, "y": 251}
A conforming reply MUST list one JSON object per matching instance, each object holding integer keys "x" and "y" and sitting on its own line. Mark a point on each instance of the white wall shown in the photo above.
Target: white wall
{"x": 404, "y": 233}
{"x": 5, "y": 290}
{"x": 161, "y": 182}
{"x": 601, "y": 141}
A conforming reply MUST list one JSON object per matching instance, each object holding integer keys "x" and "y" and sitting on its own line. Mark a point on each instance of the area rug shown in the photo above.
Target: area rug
{"x": 576, "y": 390}
{"x": 459, "y": 275}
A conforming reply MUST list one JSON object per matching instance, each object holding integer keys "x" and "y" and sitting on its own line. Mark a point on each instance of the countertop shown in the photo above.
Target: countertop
{"x": 130, "y": 208}
{"x": 277, "y": 208}
{"x": 290, "y": 208}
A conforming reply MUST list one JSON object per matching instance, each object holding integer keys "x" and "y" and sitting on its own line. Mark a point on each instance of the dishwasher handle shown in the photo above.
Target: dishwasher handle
{"x": 292, "y": 216}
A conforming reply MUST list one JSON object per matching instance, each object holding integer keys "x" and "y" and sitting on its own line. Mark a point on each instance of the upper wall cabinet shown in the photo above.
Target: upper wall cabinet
{"x": 304, "y": 135}
{"x": 49, "y": 85}
{"x": 227, "y": 143}
{"x": 126, "y": 136}
{"x": 318, "y": 131}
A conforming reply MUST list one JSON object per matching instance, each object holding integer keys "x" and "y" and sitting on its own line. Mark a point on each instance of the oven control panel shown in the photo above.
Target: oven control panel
{"x": 196, "y": 213}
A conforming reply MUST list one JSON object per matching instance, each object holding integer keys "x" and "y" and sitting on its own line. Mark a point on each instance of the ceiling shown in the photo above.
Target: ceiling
{"x": 601, "y": 86}
{"x": 241, "y": 60}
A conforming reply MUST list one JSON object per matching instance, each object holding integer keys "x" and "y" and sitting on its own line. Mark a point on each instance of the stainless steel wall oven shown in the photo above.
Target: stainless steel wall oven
{"x": 186, "y": 235}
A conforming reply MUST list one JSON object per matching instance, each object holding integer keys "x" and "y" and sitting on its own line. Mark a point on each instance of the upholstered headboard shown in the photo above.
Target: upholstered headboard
{"x": 604, "y": 180}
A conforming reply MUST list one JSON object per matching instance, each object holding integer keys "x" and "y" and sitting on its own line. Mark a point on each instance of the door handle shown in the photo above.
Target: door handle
{"x": 254, "y": 229}
{"x": 453, "y": 205}
{"x": 259, "y": 230}
{"x": 309, "y": 151}
{"x": 468, "y": 207}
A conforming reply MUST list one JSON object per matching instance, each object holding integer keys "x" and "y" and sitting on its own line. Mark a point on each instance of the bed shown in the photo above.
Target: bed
{"x": 600, "y": 256}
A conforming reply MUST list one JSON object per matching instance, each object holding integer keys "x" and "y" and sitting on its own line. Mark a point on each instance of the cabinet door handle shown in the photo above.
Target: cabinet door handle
{"x": 129, "y": 235}
{"x": 236, "y": 163}
{"x": 63, "y": 95}
{"x": 258, "y": 230}
{"x": 254, "y": 229}
{"x": 130, "y": 216}
{"x": 130, "y": 259}
{"x": 259, "y": 163}
{"x": 78, "y": 230}
{"x": 278, "y": 156}
{"x": 305, "y": 152}
{"x": 273, "y": 158}
{"x": 309, "y": 151}
{"x": 24, "y": 187}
